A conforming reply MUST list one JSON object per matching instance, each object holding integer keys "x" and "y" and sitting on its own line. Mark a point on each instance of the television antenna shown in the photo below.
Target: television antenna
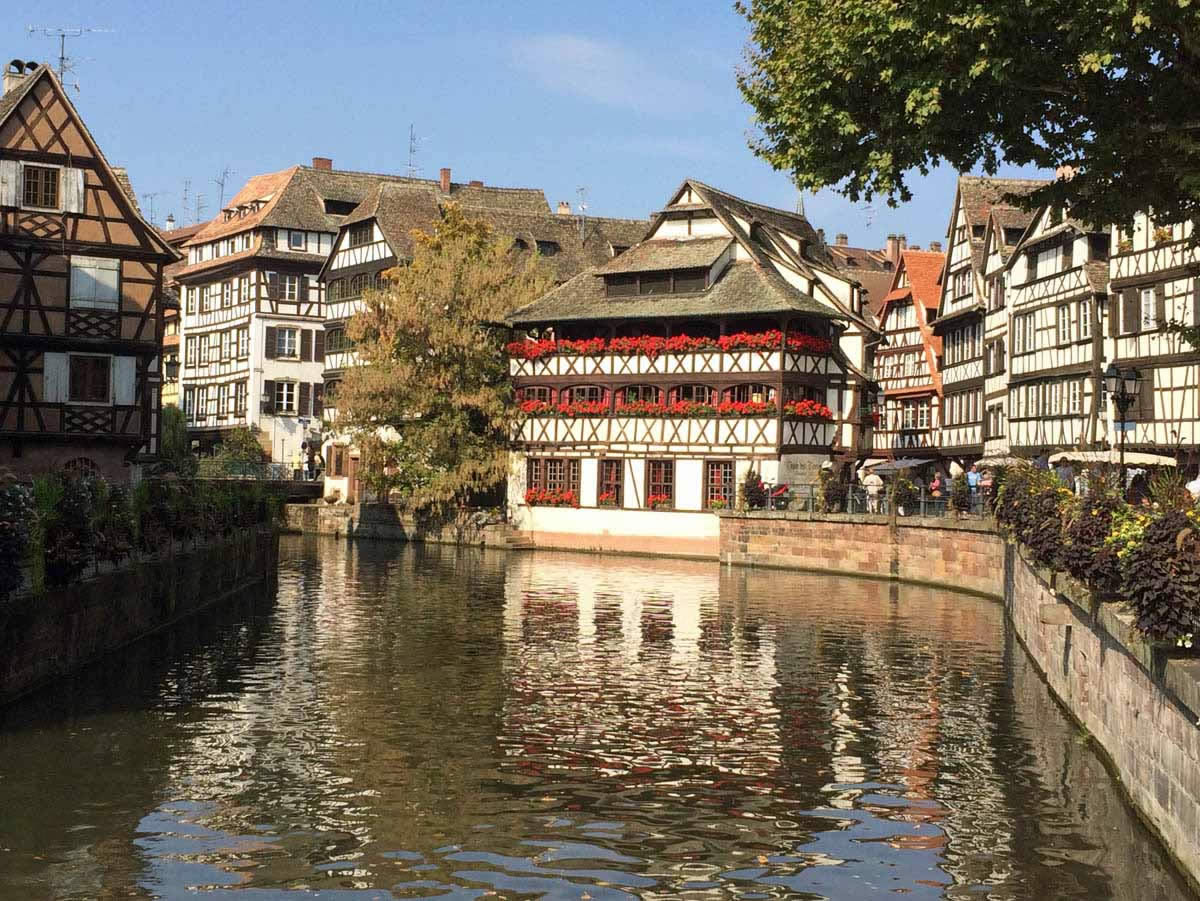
{"x": 582, "y": 206}
{"x": 219, "y": 181}
{"x": 412, "y": 150}
{"x": 200, "y": 207}
{"x": 149, "y": 198}
{"x": 66, "y": 64}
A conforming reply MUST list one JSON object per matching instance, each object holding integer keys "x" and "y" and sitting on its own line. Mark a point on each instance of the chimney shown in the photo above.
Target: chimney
{"x": 841, "y": 240}
{"x": 892, "y": 249}
{"x": 903, "y": 242}
{"x": 475, "y": 183}
{"x": 170, "y": 223}
{"x": 16, "y": 74}
{"x": 445, "y": 180}
{"x": 322, "y": 162}
{"x": 564, "y": 208}
{"x": 935, "y": 246}
{"x": 821, "y": 236}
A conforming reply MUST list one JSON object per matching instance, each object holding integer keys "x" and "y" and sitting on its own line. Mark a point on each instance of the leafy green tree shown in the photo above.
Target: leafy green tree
{"x": 432, "y": 408}
{"x": 238, "y": 451}
{"x": 175, "y": 449}
{"x": 859, "y": 93}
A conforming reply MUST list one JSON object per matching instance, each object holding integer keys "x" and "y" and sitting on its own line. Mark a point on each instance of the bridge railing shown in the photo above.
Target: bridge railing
{"x": 806, "y": 498}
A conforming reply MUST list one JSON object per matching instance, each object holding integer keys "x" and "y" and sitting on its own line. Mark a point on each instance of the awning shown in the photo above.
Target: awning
{"x": 1002, "y": 460}
{"x": 899, "y": 465}
{"x": 1132, "y": 458}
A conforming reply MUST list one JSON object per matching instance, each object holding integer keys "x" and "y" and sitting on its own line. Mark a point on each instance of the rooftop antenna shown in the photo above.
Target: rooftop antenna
{"x": 582, "y": 207}
{"x": 219, "y": 181}
{"x": 65, "y": 63}
{"x": 201, "y": 206}
{"x": 412, "y": 151}
{"x": 149, "y": 197}
{"x": 187, "y": 190}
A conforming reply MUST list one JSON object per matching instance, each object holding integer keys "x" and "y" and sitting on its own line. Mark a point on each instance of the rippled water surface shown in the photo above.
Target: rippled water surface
{"x": 406, "y": 723}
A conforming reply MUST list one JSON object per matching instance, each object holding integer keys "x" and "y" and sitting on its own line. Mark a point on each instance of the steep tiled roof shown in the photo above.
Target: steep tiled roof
{"x": 980, "y": 193}
{"x": 744, "y": 288}
{"x": 122, "y": 175}
{"x": 924, "y": 268}
{"x": 398, "y": 209}
{"x": 669, "y": 253}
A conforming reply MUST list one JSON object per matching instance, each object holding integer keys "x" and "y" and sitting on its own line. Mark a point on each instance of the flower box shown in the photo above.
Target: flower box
{"x": 543, "y": 497}
{"x": 654, "y": 345}
{"x": 659, "y": 502}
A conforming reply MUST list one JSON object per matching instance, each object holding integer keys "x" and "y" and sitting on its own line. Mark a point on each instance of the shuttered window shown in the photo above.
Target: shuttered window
{"x": 95, "y": 283}
{"x": 90, "y": 379}
{"x": 41, "y": 185}
{"x": 1148, "y": 320}
{"x": 285, "y": 397}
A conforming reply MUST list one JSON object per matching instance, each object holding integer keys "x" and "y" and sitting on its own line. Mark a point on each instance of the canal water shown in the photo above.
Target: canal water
{"x": 403, "y": 722}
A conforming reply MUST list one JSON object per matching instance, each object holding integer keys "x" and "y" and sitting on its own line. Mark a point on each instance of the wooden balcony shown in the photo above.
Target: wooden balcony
{"x": 691, "y": 363}
{"x": 117, "y": 421}
{"x": 684, "y": 435}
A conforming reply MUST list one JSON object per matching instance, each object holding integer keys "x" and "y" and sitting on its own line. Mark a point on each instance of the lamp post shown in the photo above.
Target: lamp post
{"x": 1122, "y": 386}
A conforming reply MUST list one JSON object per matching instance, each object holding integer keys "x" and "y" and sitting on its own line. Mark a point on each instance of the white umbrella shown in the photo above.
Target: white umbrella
{"x": 1000, "y": 460}
{"x": 1132, "y": 458}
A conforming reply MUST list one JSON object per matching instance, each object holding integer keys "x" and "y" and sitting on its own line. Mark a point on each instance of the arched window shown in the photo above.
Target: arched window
{"x": 750, "y": 392}
{"x": 336, "y": 340}
{"x": 358, "y": 284}
{"x": 576, "y": 394}
{"x": 699, "y": 329}
{"x": 334, "y": 290}
{"x": 377, "y": 281}
{"x": 632, "y": 394}
{"x": 697, "y": 394}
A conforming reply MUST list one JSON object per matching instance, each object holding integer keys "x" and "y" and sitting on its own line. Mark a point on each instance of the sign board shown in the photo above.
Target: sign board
{"x": 1125, "y": 426}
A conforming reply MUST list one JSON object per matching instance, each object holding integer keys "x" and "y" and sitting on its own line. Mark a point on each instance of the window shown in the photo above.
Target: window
{"x": 296, "y": 240}
{"x": 553, "y": 474}
{"x": 548, "y": 248}
{"x": 654, "y": 283}
{"x": 291, "y": 287}
{"x": 243, "y": 341}
{"x": 1048, "y": 262}
{"x": 287, "y": 342}
{"x": 189, "y": 353}
{"x": 590, "y": 394}
{"x": 226, "y": 343}
{"x": 697, "y": 394}
{"x": 1148, "y": 317}
{"x": 621, "y": 285}
{"x": 357, "y": 285}
{"x": 333, "y": 292}
{"x": 222, "y": 400}
{"x": 94, "y": 282}
{"x": 1075, "y": 389}
{"x": 718, "y": 483}
{"x": 41, "y": 187}
{"x": 285, "y": 397}
{"x": 190, "y": 300}
{"x": 336, "y": 340}
{"x": 1063, "y": 318}
{"x": 752, "y": 392}
{"x": 633, "y": 394}
{"x": 535, "y": 392}
{"x": 89, "y": 381}
{"x": 360, "y": 234}
{"x": 1085, "y": 320}
{"x": 227, "y": 294}
{"x": 660, "y": 483}
{"x": 612, "y": 483}
{"x": 690, "y": 280}
{"x": 240, "y": 397}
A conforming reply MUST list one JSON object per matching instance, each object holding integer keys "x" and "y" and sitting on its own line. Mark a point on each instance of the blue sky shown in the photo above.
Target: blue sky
{"x": 623, "y": 99}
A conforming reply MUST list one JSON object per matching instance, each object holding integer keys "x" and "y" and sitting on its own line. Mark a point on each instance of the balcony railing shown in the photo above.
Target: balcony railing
{"x": 677, "y": 433}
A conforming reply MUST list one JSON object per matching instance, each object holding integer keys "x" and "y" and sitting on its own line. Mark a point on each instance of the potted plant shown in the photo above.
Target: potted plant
{"x": 718, "y": 503}
{"x": 1162, "y": 235}
{"x": 606, "y": 499}
{"x": 659, "y": 502}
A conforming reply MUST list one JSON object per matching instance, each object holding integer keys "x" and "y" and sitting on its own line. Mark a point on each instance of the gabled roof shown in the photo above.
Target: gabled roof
{"x": 979, "y": 193}
{"x": 743, "y": 288}
{"x": 660, "y": 254}
{"x": 124, "y": 193}
{"x": 398, "y": 209}
{"x": 924, "y": 268}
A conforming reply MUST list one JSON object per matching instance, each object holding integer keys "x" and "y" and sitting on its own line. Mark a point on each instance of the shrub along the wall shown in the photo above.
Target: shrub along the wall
{"x": 1162, "y": 577}
{"x": 16, "y": 524}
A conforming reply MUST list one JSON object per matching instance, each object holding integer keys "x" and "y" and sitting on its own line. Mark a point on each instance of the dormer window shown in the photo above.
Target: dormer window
{"x": 548, "y": 248}
{"x": 360, "y": 234}
{"x": 671, "y": 281}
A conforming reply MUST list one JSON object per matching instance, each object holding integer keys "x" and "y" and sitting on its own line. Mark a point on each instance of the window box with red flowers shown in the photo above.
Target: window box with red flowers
{"x": 654, "y": 345}
{"x": 545, "y": 497}
{"x": 807, "y": 409}
{"x": 659, "y": 502}
{"x": 606, "y": 499}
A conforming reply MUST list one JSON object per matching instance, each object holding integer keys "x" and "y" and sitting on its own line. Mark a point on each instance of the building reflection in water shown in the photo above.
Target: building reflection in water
{"x": 419, "y": 722}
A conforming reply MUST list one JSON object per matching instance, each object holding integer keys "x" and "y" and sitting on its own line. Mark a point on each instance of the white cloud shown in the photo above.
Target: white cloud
{"x": 604, "y": 73}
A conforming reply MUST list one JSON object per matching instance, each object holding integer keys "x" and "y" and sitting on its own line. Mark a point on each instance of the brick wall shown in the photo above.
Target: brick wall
{"x": 960, "y": 554}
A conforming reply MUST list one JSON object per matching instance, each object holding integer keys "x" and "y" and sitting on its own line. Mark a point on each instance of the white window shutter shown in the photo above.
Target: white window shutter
{"x": 124, "y": 375}
{"x": 54, "y": 378}
{"x": 73, "y": 190}
{"x": 10, "y": 182}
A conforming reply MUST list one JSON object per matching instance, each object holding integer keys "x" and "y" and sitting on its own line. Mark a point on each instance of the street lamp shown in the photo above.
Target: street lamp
{"x": 171, "y": 368}
{"x": 1122, "y": 386}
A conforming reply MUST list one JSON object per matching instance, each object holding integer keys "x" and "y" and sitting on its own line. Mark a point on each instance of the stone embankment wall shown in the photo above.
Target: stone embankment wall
{"x": 1141, "y": 703}
{"x": 960, "y": 554}
{"x": 43, "y": 638}
{"x": 385, "y": 522}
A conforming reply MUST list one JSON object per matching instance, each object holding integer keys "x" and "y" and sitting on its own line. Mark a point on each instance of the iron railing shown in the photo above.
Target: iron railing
{"x": 806, "y": 498}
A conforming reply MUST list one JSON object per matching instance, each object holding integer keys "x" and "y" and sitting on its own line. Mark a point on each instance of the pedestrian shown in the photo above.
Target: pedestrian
{"x": 297, "y": 463}
{"x": 874, "y": 485}
{"x": 310, "y": 462}
{"x": 973, "y": 479}
{"x": 935, "y": 486}
{"x": 987, "y": 483}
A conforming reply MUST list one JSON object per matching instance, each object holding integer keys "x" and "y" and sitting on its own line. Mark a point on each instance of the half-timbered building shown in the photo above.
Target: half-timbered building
{"x": 81, "y": 280}
{"x": 906, "y": 365}
{"x": 172, "y": 350}
{"x": 1057, "y": 287}
{"x": 962, "y": 308}
{"x": 1154, "y": 273}
{"x": 377, "y": 235}
{"x": 253, "y": 322}
{"x": 727, "y": 340}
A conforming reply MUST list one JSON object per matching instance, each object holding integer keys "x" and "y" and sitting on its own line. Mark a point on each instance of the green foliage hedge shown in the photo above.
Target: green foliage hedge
{"x": 67, "y": 522}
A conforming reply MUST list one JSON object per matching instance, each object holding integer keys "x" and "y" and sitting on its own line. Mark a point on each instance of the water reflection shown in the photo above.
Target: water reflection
{"x": 400, "y": 723}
